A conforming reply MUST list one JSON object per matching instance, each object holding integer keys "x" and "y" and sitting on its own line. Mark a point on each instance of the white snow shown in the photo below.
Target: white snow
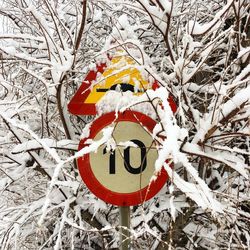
{"x": 33, "y": 144}
{"x": 198, "y": 29}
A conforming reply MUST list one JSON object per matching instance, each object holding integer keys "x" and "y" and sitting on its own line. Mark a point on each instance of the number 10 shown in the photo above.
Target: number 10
{"x": 126, "y": 159}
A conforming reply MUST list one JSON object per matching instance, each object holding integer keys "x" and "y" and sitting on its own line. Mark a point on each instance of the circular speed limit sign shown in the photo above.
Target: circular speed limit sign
{"x": 122, "y": 176}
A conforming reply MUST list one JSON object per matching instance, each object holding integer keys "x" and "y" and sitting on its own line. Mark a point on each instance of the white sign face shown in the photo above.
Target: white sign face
{"x": 126, "y": 169}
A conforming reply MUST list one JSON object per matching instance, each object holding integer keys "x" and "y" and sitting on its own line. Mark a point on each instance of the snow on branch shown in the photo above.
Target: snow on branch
{"x": 32, "y": 145}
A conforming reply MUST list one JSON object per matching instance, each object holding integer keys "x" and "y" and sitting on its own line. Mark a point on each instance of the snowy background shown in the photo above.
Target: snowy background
{"x": 199, "y": 53}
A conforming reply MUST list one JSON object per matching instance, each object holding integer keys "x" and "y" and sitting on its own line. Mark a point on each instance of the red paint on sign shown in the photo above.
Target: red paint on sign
{"x": 77, "y": 106}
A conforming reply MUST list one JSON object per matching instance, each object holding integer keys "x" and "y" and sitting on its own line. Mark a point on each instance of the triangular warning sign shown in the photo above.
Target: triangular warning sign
{"x": 122, "y": 74}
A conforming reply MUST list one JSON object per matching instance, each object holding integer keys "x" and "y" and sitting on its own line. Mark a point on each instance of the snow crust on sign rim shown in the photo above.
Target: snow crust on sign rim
{"x": 120, "y": 101}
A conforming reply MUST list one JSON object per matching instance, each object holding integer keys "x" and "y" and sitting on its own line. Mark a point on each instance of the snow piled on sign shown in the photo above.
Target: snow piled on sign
{"x": 120, "y": 101}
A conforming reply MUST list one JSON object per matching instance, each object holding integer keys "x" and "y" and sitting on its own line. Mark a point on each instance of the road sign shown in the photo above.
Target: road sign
{"x": 121, "y": 74}
{"x": 122, "y": 176}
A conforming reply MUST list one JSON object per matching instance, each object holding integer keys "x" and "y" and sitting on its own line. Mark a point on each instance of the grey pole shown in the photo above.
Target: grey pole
{"x": 125, "y": 226}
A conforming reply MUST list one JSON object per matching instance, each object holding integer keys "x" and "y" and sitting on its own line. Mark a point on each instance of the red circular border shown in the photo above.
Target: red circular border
{"x": 115, "y": 198}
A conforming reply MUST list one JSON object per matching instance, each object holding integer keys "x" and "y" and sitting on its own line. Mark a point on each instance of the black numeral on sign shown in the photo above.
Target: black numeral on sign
{"x": 143, "y": 164}
{"x": 111, "y": 160}
{"x": 126, "y": 162}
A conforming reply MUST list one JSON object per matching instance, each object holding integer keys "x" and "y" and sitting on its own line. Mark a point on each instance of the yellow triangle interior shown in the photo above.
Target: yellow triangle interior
{"x": 122, "y": 70}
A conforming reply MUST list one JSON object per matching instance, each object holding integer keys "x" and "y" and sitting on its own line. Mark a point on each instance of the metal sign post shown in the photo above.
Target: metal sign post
{"x": 125, "y": 227}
